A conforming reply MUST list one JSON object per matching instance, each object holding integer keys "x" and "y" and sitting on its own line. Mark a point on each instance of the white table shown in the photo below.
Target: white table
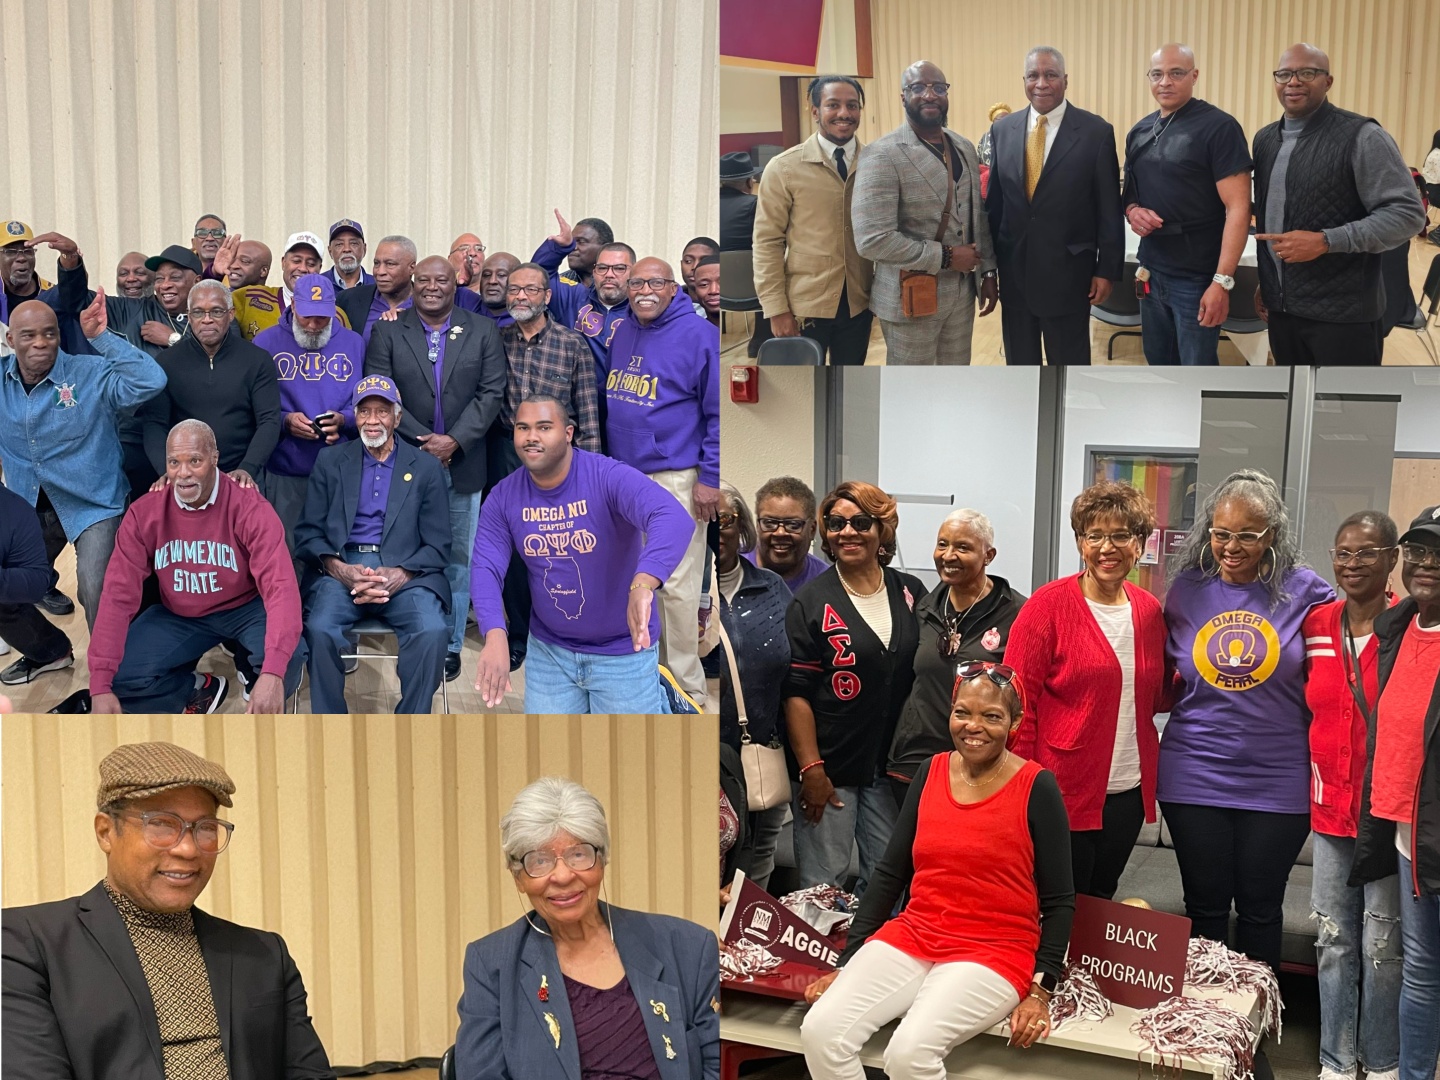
{"x": 1082, "y": 1050}
{"x": 1254, "y": 347}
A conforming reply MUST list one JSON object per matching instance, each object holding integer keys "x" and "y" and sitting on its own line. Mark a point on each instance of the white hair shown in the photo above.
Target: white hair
{"x": 198, "y": 428}
{"x": 975, "y": 521}
{"x": 404, "y": 242}
{"x": 1046, "y": 50}
{"x": 546, "y": 808}
{"x": 214, "y": 286}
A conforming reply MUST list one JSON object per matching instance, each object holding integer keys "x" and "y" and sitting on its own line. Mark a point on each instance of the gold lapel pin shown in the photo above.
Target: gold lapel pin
{"x": 554, "y": 1026}
{"x": 659, "y": 1007}
{"x": 715, "y": 1004}
{"x": 669, "y": 1050}
{"x": 407, "y": 476}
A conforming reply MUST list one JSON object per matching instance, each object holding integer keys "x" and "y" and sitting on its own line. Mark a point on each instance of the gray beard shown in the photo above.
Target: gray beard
{"x": 313, "y": 342}
{"x": 374, "y": 443}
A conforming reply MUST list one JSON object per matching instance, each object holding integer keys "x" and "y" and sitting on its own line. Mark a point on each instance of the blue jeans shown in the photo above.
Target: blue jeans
{"x": 1420, "y": 987}
{"x": 1358, "y": 954}
{"x": 421, "y": 630}
{"x": 464, "y": 516}
{"x": 157, "y": 674}
{"x": 1170, "y": 329}
{"x": 558, "y": 680}
{"x": 822, "y": 852}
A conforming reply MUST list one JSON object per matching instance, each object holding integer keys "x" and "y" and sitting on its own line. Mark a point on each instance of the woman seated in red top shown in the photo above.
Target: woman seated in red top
{"x": 1091, "y": 649}
{"x": 1359, "y": 945}
{"x": 982, "y": 843}
{"x": 1400, "y": 811}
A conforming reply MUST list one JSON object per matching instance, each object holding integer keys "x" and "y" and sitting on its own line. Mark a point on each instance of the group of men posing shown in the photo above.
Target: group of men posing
{"x": 900, "y": 229}
{"x": 265, "y": 467}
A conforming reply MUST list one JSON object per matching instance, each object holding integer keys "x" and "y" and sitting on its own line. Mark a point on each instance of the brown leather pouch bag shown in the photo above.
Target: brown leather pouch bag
{"x": 919, "y": 293}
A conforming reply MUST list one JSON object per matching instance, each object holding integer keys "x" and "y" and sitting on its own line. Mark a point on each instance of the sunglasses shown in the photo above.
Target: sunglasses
{"x": 861, "y": 523}
{"x": 1002, "y": 675}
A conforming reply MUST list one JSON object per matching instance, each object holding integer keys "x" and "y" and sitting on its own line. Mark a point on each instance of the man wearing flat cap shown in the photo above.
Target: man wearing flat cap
{"x": 131, "y": 981}
{"x": 737, "y": 201}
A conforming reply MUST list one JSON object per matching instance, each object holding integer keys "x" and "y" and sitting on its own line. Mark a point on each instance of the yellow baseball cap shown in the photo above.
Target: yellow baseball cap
{"x": 16, "y": 232}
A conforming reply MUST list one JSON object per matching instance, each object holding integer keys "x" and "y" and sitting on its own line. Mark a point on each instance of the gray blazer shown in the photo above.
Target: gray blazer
{"x": 899, "y": 197}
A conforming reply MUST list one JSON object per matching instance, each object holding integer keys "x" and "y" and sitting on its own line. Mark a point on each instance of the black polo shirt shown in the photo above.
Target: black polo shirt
{"x": 1171, "y": 167}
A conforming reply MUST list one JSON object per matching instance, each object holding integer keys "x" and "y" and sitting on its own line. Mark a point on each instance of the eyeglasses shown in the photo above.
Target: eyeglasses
{"x": 1362, "y": 557}
{"x": 939, "y": 89}
{"x": 1175, "y": 74}
{"x": 215, "y": 234}
{"x": 1420, "y": 554}
{"x": 1244, "y": 539}
{"x": 1120, "y": 537}
{"x": 795, "y": 526}
{"x": 163, "y": 830}
{"x": 213, "y": 314}
{"x": 538, "y": 864}
{"x": 725, "y": 519}
{"x": 861, "y": 523}
{"x": 607, "y": 269}
{"x": 1305, "y": 75}
{"x": 528, "y": 290}
{"x": 467, "y": 247}
{"x": 654, "y": 284}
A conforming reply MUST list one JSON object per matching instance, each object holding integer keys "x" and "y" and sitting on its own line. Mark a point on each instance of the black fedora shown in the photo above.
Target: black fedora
{"x": 737, "y": 166}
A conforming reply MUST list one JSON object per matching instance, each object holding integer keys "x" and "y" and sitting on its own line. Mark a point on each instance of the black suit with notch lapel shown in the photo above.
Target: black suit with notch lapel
{"x": 77, "y": 1006}
{"x": 473, "y": 384}
{"x": 1050, "y": 247}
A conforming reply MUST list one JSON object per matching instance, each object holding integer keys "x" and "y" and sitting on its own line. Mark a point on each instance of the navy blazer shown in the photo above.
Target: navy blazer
{"x": 471, "y": 389}
{"x": 416, "y": 536}
{"x": 674, "y": 970}
{"x": 1048, "y": 248}
{"x": 77, "y": 1006}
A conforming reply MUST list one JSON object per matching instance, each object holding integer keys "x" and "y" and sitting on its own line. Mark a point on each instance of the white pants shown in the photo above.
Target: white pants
{"x": 943, "y": 1005}
{"x": 680, "y": 598}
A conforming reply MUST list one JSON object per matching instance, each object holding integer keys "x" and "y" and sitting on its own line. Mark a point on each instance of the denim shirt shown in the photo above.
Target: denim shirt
{"x": 62, "y": 435}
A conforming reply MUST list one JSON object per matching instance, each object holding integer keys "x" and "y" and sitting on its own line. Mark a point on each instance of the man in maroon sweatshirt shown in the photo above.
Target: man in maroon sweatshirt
{"x": 218, "y": 553}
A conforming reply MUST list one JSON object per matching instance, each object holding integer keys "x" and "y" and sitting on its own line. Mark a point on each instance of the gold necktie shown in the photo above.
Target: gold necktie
{"x": 1034, "y": 157}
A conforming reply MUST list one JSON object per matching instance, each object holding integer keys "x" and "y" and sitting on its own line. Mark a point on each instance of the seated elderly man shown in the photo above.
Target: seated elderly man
{"x": 222, "y": 379}
{"x": 131, "y": 979}
{"x": 218, "y": 552}
{"x": 317, "y": 363}
{"x": 598, "y": 538}
{"x": 376, "y": 540}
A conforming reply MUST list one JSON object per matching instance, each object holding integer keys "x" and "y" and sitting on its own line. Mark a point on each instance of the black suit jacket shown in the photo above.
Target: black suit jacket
{"x": 472, "y": 389}
{"x": 1048, "y": 249}
{"x": 416, "y": 536}
{"x": 77, "y": 1006}
{"x": 737, "y": 220}
{"x": 356, "y": 305}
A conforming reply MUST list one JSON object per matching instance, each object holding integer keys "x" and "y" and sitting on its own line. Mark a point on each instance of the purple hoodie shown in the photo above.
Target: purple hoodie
{"x": 312, "y": 383}
{"x": 663, "y": 393}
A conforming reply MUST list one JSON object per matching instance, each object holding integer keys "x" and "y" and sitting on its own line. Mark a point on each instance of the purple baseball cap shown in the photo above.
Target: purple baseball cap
{"x": 314, "y": 295}
{"x": 376, "y": 386}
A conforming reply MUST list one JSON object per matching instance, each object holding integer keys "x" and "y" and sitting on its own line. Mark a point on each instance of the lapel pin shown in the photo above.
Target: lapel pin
{"x": 715, "y": 1003}
{"x": 554, "y": 1027}
{"x": 455, "y": 332}
{"x": 669, "y": 1050}
{"x": 659, "y": 1007}
{"x": 544, "y": 992}
{"x": 407, "y": 477}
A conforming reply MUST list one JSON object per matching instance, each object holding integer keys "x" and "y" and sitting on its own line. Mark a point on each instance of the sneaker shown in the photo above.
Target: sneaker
{"x": 57, "y": 603}
{"x": 208, "y": 695}
{"x": 4, "y": 646}
{"x": 24, "y": 670}
{"x": 244, "y": 683}
{"x": 452, "y": 666}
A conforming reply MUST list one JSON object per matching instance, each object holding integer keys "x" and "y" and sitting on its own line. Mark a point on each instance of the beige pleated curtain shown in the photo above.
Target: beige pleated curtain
{"x": 127, "y": 119}
{"x": 1383, "y": 54}
{"x": 371, "y": 843}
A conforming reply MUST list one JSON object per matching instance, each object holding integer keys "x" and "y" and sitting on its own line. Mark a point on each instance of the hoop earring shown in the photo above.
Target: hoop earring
{"x": 1213, "y": 569}
{"x": 1274, "y": 562}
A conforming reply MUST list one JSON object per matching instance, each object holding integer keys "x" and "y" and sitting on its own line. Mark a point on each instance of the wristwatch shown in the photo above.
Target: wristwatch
{"x": 990, "y": 274}
{"x": 1225, "y": 281}
{"x": 175, "y": 336}
{"x": 1047, "y": 981}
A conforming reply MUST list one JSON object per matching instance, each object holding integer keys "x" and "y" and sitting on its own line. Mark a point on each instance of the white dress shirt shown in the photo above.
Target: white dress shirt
{"x": 830, "y": 148}
{"x": 1053, "y": 119}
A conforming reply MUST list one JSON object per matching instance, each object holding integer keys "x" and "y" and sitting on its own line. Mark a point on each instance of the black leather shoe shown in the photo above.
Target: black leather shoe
{"x": 57, "y": 603}
{"x": 517, "y": 657}
{"x": 452, "y": 666}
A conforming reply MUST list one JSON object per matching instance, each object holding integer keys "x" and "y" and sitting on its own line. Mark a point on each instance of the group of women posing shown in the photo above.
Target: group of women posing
{"x": 995, "y": 754}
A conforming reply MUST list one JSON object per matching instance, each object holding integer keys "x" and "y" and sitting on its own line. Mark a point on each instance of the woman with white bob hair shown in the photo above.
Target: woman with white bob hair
{"x": 577, "y": 987}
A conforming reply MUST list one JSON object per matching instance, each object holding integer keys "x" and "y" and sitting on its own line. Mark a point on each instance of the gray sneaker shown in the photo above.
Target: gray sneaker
{"x": 24, "y": 670}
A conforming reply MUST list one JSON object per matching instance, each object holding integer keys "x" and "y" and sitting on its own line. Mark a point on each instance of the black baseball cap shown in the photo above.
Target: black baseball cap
{"x": 180, "y": 256}
{"x": 1425, "y": 528}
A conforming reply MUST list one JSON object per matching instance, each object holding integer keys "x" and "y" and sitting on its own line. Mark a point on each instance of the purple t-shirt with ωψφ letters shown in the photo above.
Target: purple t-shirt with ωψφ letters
{"x": 1238, "y": 735}
{"x": 582, "y": 542}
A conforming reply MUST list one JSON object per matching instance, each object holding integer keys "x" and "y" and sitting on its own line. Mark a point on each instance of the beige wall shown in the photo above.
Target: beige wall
{"x": 372, "y": 843}
{"x": 1382, "y": 53}
{"x": 127, "y": 119}
{"x": 775, "y": 436}
{"x": 751, "y": 100}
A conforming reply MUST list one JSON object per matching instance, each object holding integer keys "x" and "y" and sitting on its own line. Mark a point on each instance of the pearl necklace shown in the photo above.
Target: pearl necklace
{"x": 862, "y": 596}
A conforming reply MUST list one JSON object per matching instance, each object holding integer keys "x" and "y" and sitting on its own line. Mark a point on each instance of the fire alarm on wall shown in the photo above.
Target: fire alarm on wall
{"x": 745, "y": 384}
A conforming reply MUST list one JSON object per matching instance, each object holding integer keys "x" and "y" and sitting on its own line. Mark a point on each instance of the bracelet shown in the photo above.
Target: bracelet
{"x": 817, "y": 761}
{"x": 944, "y": 256}
{"x": 641, "y": 585}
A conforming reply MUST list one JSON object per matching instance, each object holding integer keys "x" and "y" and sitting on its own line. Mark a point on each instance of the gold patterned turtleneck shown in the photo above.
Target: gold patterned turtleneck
{"x": 174, "y": 968}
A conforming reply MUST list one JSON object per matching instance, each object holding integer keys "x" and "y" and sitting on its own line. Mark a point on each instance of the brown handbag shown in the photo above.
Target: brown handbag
{"x": 919, "y": 291}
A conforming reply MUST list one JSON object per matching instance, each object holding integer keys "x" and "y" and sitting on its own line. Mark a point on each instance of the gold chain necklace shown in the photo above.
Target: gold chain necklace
{"x": 1004, "y": 757}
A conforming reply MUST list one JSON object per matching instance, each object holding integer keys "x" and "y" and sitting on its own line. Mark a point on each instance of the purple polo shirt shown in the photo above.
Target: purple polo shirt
{"x": 374, "y": 494}
{"x": 809, "y": 570}
{"x": 435, "y": 343}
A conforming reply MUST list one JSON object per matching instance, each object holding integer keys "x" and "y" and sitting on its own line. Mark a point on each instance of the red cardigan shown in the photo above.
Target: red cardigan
{"x": 1072, "y": 692}
{"x": 1337, "y": 726}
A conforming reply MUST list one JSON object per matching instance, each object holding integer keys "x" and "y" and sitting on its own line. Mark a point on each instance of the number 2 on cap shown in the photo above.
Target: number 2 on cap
{"x": 314, "y": 292}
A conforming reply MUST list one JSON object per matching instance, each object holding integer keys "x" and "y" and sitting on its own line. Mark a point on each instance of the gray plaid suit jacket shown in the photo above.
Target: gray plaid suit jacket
{"x": 898, "y": 199}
